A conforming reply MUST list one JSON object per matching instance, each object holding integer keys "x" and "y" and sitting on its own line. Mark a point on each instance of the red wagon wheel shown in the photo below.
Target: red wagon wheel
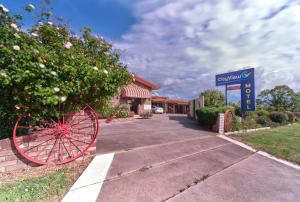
{"x": 56, "y": 141}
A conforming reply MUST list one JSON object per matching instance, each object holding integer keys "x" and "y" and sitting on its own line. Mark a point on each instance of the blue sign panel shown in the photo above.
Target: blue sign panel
{"x": 246, "y": 79}
{"x": 234, "y": 77}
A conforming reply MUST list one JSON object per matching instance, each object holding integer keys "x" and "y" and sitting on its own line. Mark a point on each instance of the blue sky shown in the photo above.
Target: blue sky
{"x": 182, "y": 44}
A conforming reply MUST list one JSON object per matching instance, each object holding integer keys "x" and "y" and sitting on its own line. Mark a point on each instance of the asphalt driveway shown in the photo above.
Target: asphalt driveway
{"x": 170, "y": 158}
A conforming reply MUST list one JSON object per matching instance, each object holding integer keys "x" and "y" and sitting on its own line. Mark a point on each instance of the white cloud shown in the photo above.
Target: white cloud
{"x": 181, "y": 45}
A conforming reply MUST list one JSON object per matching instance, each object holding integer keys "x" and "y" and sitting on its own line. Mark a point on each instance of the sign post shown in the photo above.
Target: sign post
{"x": 246, "y": 79}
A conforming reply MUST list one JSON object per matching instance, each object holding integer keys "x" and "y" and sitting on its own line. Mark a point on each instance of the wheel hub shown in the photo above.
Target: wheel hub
{"x": 62, "y": 130}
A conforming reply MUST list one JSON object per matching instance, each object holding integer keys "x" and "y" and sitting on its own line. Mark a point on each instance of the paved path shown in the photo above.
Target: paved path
{"x": 169, "y": 158}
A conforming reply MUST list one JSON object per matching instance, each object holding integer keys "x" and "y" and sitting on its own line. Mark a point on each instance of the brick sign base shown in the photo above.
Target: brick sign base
{"x": 11, "y": 160}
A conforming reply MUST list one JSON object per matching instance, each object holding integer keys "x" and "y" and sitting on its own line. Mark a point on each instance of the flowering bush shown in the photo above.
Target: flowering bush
{"x": 47, "y": 65}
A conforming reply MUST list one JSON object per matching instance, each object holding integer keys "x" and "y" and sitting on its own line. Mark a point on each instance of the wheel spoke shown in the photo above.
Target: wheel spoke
{"x": 78, "y": 140}
{"x": 57, "y": 140}
{"x": 66, "y": 149}
{"x": 74, "y": 145}
{"x": 78, "y": 113}
{"x": 84, "y": 127}
{"x": 38, "y": 145}
{"x": 80, "y": 121}
{"x": 51, "y": 151}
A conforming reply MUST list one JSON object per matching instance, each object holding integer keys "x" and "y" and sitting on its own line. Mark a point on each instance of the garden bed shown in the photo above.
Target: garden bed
{"x": 282, "y": 142}
{"x": 42, "y": 184}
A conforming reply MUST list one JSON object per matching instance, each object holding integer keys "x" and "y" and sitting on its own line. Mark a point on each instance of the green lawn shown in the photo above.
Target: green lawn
{"x": 36, "y": 189}
{"x": 45, "y": 184}
{"x": 283, "y": 142}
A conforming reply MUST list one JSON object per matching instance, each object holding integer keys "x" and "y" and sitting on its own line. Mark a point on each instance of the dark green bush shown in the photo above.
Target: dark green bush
{"x": 263, "y": 120}
{"x": 238, "y": 111}
{"x": 207, "y": 116}
{"x": 278, "y": 117}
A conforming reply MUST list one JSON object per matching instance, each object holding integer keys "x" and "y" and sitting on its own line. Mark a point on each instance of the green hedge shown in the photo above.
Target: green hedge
{"x": 279, "y": 117}
{"x": 207, "y": 116}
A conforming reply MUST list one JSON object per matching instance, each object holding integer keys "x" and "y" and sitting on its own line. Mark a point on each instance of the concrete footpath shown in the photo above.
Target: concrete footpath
{"x": 170, "y": 158}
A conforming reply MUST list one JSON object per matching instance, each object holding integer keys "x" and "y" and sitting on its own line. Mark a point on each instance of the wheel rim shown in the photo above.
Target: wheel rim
{"x": 56, "y": 141}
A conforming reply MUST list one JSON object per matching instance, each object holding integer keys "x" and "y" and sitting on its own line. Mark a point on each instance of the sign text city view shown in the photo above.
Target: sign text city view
{"x": 246, "y": 79}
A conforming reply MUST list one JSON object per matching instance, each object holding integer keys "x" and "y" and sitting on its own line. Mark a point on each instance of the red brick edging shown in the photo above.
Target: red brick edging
{"x": 11, "y": 160}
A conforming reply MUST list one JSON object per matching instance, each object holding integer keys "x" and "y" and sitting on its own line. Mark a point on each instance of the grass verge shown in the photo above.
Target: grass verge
{"x": 47, "y": 184}
{"x": 282, "y": 142}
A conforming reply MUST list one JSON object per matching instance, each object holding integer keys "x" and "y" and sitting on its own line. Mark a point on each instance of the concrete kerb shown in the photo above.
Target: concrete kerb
{"x": 287, "y": 163}
{"x": 89, "y": 184}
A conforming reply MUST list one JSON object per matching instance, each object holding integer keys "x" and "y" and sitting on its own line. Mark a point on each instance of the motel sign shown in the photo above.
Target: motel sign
{"x": 246, "y": 79}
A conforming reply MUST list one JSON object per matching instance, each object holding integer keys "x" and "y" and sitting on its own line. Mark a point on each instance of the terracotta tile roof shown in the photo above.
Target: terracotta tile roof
{"x": 169, "y": 100}
{"x": 178, "y": 101}
{"x": 145, "y": 82}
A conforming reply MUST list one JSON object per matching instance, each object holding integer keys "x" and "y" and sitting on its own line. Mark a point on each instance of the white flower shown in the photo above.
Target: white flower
{"x": 63, "y": 98}
{"x": 17, "y": 107}
{"x": 3, "y": 74}
{"x": 17, "y": 35}
{"x": 16, "y": 47}
{"x": 68, "y": 45}
{"x": 34, "y": 34}
{"x": 15, "y": 26}
{"x": 31, "y": 6}
{"x": 57, "y": 28}
{"x": 53, "y": 73}
{"x": 95, "y": 68}
{"x": 42, "y": 66}
{"x": 105, "y": 71}
{"x": 27, "y": 71}
{"x": 50, "y": 23}
{"x": 56, "y": 89}
{"x": 40, "y": 23}
{"x": 3, "y": 8}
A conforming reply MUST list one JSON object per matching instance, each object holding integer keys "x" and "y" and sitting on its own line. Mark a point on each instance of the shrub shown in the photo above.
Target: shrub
{"x": 122, "y": 114}
{"x": 49, "y": 64}
{"x": 146, "y": 115}
{"x": 278, "y": 117}
{"x": 117, "y": 112}
{"x": 291, "y": 117}
{"x": 131, "y": 114}
{"x": 252, "y": 114}
{"x": 263, "y": 120}
{"x": 207, "y": 116}
{"x": 238, "y": 111}
{"x": 249, "y": 122}
{"x": 297, "y": 114}
{"x": 262, "y": 112}
{"x": 237, "y": 123}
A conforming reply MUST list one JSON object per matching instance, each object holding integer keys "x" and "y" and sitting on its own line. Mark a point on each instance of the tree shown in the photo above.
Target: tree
{"x": 213, "y": 98}
{"x": 48, "y": 64}
{"x": 280, "y": 98}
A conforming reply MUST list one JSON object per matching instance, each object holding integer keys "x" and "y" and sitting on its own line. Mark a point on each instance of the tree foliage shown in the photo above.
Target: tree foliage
{"x": 48, "y": 64}
{"x": 213, "y": 98}
{"x": 280, "y": 98}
